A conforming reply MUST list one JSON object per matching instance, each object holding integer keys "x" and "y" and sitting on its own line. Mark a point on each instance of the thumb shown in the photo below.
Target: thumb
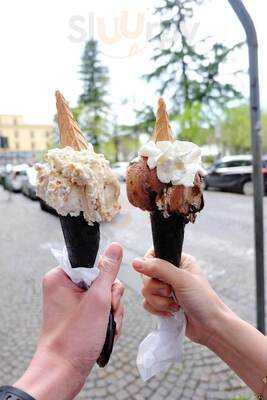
{"x": 109, "y": 265}
{"x": 161, "y": 270}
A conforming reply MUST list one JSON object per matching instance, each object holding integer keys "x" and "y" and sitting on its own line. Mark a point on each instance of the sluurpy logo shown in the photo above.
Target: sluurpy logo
{"x": 124, "y": 35}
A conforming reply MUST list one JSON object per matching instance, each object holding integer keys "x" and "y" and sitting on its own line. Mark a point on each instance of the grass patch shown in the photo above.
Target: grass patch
{"x": 241, "y": 398}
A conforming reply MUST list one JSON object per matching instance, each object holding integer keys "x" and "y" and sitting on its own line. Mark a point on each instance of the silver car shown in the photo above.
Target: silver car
{"x": 16, "y": 178}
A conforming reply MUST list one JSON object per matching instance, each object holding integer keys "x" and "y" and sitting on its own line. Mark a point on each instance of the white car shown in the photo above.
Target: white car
{"x": 29, "y": 183}
{"x": 16, "y": 178}
{"x": 120, "y": 169}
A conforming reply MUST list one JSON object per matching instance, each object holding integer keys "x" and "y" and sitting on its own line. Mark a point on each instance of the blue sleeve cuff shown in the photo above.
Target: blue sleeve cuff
{"x": 11, "y": 393}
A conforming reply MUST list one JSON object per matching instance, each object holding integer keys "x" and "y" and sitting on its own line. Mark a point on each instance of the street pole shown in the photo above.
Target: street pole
{"x": 256, "y": 140}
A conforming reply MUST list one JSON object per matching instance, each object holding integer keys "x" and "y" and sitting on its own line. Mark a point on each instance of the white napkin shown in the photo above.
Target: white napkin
{"x": 82, "y": 277}
{"x": 162, "y": 347}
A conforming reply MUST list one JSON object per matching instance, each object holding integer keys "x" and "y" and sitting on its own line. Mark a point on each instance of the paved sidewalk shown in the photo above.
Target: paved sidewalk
{"x": 25, "y": 236}
{"x": 201, "y": 375}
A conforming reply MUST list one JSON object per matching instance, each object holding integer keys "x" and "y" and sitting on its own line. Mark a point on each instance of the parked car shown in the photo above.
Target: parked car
{"x": 120, "y": 169}
{"x": 4, "y": 172}
{"x": 234, "y": 173}
{"x": 15, "y": 178}
{"x": 29, "y": 184}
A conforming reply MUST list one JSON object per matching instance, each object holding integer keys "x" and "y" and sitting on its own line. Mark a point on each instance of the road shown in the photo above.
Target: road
{"x": 221, "y": 240}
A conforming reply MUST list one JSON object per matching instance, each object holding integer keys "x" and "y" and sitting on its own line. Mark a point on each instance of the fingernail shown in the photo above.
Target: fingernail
{"x": 138, "y": 264}
{"x": 113, "y": 252}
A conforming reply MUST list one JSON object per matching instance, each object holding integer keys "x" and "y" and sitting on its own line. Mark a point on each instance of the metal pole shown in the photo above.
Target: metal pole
{"x": 252, "y": 42}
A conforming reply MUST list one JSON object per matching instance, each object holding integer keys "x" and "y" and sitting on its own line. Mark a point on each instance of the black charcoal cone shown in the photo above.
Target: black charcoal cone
{"x": 168, "y": 236}
{"x": 82, "y": 243}
{"x": 82, "y": 240}
{"x": 104, "y": 357}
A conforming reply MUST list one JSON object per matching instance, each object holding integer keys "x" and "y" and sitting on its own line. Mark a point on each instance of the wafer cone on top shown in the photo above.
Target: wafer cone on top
{"x": 70, "y": 133}
{"x": 162, "y": 131}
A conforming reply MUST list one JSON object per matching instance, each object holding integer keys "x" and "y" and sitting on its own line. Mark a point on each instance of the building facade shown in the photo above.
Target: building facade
{"x": 21, "y": 137}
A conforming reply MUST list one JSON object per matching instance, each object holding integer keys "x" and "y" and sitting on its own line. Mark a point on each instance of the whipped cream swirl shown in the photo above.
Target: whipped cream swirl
{"x": 177, "y": 162}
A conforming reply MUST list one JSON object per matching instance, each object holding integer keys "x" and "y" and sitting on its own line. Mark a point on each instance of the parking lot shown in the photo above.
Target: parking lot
{"x": 221, "y": 240}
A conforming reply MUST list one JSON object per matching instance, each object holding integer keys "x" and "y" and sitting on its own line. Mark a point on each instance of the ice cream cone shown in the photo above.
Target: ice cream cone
{"x": 70, "y": 133}
{"x": 167, "y": 231}
{"x": 81, "y": 239}
{"x": 170, "y": 206}
{"x": 165, "y": 180}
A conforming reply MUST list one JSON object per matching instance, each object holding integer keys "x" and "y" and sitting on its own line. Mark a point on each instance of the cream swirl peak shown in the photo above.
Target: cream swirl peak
{"x": 176, "y": 162}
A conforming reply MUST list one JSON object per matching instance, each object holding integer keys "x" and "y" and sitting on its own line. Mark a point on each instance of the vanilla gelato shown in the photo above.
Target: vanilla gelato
{"x": 176, "y": 162}
{"x": 74, "y": 181}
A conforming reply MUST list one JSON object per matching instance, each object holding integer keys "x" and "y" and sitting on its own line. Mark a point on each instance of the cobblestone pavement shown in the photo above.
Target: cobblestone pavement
{"x": 222, "y": 241}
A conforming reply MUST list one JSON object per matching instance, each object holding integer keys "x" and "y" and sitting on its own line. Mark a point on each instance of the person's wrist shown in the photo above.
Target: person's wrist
{"x": 222, "y": 318}
{"x": 49, "y": 376}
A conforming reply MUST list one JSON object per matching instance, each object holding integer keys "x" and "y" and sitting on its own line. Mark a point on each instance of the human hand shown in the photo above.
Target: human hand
{"x": 194, "y": 294}
{"x": 74, "y": 330}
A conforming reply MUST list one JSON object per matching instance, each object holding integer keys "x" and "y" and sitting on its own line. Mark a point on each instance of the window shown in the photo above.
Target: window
{"x": 16, "y": 133}
{"x": 234, "y": 163}
{"x": 47, "y": 134}
{"x": 32, "y": 135}
{"x": 17, "y": 145}
{"x": 33, "y": 145}
{"x": 222, "y": 165}
{"x": 239, "y": 163}
{"x": 4, "y": 142}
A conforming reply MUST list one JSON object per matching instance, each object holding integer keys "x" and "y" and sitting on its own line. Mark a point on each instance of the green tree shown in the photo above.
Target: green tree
{"x": 93, "y": 106}
{"x": 145, "y": 121}
{"x": 235, "y": 130}
{"x": 190, "y": 126}
{"x": 188, "y": 75}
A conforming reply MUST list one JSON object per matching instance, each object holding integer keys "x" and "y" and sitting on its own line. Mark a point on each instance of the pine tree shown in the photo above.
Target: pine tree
{"x": 188, "y": 76}
{"x": 93, "y": 106}
{"x": 145, "y": 121}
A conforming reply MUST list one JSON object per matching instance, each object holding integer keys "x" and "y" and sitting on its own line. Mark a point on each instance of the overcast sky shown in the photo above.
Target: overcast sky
{"x": 41, "y": 43}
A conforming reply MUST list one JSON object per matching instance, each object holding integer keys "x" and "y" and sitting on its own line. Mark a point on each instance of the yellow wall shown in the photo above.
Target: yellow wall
{"x": 24, "y": 137}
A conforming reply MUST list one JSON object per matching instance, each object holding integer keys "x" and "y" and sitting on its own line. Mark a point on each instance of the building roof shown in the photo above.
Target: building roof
{"x": 25, "y": 126}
